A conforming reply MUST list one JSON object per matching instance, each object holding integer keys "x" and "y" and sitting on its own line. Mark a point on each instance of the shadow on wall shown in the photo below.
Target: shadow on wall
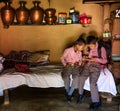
{"x": 83, "y": 35}
{"x": 70, "y": 42}
{"x": 93, "y": 33}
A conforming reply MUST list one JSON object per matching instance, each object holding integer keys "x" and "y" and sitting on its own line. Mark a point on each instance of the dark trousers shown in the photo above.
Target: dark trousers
{"x": 92, "y": 71}
{"x": 66, "y": 73}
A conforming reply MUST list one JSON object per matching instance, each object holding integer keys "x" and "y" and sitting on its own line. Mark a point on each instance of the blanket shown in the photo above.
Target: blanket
{"x": 50, "y": 76}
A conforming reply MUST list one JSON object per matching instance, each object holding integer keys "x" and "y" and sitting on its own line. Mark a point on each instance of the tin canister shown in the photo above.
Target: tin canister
{"x": 62, "y": 18}
{"x": 74, "y": 16}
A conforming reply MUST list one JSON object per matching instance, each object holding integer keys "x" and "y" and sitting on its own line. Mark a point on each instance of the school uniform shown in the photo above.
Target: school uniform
{"x": 92, "y": 70}
{"x": 70, "y": 56}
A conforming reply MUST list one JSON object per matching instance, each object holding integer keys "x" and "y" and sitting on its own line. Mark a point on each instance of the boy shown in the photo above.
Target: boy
{"x": 92, "y": 69}
{"x": 71, "y": 59}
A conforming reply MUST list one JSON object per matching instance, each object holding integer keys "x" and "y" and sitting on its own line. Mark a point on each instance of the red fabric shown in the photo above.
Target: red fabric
{"x": 22, "y": 68}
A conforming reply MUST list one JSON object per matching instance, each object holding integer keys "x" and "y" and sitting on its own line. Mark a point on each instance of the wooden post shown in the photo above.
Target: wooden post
{"x": 106, "y": 17}
{"x": 119, "y": 107}
{"x": 6, "y": 97}
{"x": 108, "y": 96}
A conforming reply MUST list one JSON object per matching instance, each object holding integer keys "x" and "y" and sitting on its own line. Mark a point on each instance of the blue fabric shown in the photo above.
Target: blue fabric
{"x": 71, "y": 91}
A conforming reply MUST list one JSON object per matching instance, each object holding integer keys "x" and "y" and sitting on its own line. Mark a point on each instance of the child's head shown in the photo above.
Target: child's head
{"x": 92, "y": 41}
{"x": 79, "y": 44}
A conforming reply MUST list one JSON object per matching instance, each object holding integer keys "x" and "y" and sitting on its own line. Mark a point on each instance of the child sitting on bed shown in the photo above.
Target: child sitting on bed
{"x": 97, "y": 59}
{"x": 71, "y": 59}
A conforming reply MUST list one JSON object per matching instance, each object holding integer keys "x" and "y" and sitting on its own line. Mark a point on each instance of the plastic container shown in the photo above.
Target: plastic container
{"x": 62, "y": 18}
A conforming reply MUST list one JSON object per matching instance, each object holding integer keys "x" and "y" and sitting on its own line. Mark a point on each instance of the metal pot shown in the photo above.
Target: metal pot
{"x": 50, "y": 20}
{"x": 7, "y": 14}
{"x": 22, "y": 13}
{"x": 36, "y": 13}
{"x": 50, "y": 12}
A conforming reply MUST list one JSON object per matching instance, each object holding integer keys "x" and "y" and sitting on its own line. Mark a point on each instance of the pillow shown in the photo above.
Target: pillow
{"x": 39, "y": 57}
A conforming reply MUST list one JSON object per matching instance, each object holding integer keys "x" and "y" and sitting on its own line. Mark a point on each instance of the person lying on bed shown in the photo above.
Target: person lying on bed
{"x": 97, "y": 59}
{"x": 72, "y": 59}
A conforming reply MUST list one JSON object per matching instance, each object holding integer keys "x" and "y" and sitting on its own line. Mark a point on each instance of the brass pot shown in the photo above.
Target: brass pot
{"x": 22, "y": 13}
{"x": 7, "y": 14}
{"x": 50, "y": 20}
{"x": 36, "y": 13}
{"x": 50, "y": 12}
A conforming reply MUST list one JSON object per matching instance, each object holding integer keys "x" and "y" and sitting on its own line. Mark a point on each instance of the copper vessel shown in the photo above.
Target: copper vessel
{"x": 50, "y": 20}
{"x": 50, "y": 12}
{"x": 36, "y": 13}
{"x": 7, "y": 14}
{"x": 22, "y": 13}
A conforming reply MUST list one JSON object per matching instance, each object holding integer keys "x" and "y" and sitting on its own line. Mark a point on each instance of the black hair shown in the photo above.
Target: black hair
{"x": 91, "y": 40}
{"x": 108, "y": 47}
{"x": 80, "y": 41}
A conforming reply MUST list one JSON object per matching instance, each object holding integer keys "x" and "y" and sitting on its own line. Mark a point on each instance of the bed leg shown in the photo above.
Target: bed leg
{"x": 119, "y": 107}
{"x": 109, "y": 99}
{"x": 6, "y": 97}
{"x": 107, "y": 96}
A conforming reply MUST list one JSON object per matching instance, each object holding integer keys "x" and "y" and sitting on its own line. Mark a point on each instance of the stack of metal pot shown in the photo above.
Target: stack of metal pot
{"x": 50, "y": 17}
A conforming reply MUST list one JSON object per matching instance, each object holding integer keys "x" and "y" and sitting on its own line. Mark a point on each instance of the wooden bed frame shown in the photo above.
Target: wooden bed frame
{"x": 107, "y": 96}
{"x": 55, "y": 75}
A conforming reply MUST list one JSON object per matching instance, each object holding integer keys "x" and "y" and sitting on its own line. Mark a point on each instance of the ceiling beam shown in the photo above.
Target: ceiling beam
{"x": 101, "y": 1}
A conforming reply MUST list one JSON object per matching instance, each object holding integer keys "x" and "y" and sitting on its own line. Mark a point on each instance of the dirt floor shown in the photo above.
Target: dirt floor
{"x": 24, "y": 98}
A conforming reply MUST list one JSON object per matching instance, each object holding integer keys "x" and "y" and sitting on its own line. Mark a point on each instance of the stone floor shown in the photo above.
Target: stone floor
{"x": 24, "y": 98}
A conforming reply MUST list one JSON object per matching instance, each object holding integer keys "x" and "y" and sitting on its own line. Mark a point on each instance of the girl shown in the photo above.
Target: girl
{"x": 92, "y": 69}
{"x": 71, "y": 59}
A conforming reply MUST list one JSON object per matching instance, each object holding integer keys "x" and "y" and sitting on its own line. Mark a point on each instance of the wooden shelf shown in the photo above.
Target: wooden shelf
{"x": 26, "y": 25}
{"x": 42, "y": 24}
{"x": 116, "y": 39}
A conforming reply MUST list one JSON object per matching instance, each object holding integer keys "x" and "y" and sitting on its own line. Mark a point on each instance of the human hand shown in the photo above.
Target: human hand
{"x": 76, "y": 64}
{"x": 67, "y": 65}
{"x": 86, "y": 59}
{"x": 92, "y": 60}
